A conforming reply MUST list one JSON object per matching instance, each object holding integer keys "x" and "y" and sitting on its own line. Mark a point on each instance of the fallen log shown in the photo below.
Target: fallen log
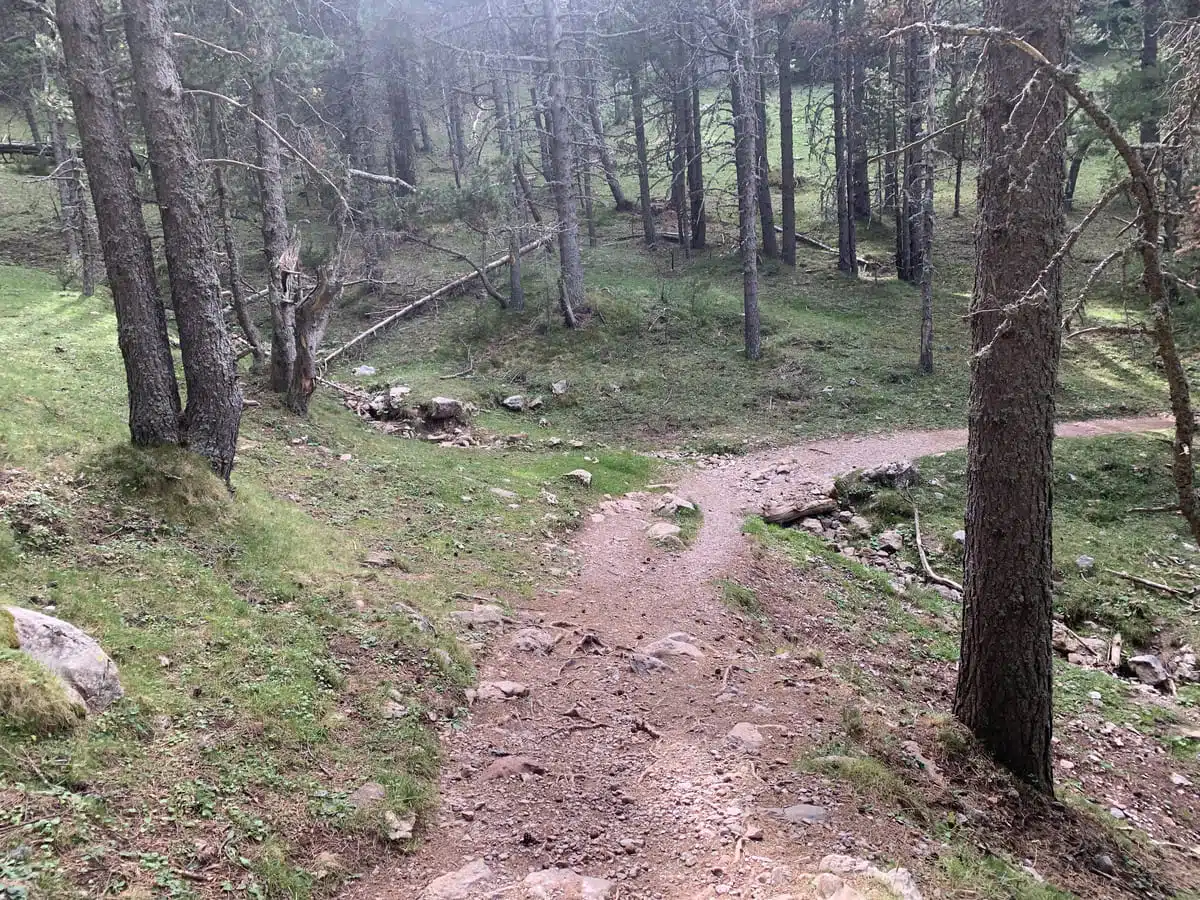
{"x": 445, "y": 290}
{"x": 14, "y": 148}
{"x": 787, "y": 513}
{"x": 382, "y": 179}
{"x": 803, "y": 238}
{"x": 930, "y": 575}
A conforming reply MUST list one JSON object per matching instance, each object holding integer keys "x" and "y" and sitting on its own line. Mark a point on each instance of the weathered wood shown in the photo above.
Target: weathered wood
{"x": 443, "y": 291}
{"x": 787, "y": 513}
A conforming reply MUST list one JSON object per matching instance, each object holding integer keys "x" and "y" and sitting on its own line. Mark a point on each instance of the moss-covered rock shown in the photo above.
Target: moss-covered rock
{"x": 32, "y": 699}
{"x": 8, "y": 631}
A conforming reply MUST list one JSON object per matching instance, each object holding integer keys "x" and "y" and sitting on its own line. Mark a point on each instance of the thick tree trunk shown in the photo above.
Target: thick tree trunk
{"x": 1151, "y": 80}
{"x": 404, "y": 148}
{"x": 643, "y": 158}
{"x": 274, "y": 223}
{"x": 141, "y": 320}
{"x": 847, "y": 237}
{"x": 770, "y": 241}
{"x": 571, "y": 292}
{"x": 232, "y": 254}
{"x": 1006, "y": 670}
{"x": 787, "y": 151}
{"x": 312, "y": 318}
{"x": 745, "y": 128}
{"x": 214, "y": 398}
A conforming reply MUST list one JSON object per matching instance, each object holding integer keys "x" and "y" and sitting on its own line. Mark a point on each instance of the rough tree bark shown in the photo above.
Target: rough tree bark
{"x": 643, "y": 157}
{"x": 925, "y": 362}
{"x": 787, "y": 152}
{"x": 404, "y": 147}
{"x": 601, "y": 145}
{"x": 1005, "y": 675}
{"x": 274, "y": 218}
{"x": 856, "y": 130}
{"x": 571, "y": 291}
{"x": 847, "y": 236}
{"x": 770, "y": 241}
{"x": 214, "y": 397}
{"x": 680, "y": 128}
{"x": 745, "y": 128}
{"x": 695, "y": 151}
{"x": 233, "y": 258}
{"x": 141, "y": 320}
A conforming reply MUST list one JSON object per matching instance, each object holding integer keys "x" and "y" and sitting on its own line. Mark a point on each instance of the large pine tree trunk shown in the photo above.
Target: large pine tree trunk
{"x": 770, "y": 241}
{"x": 680, "y": 128}
{"x": 214, "y": 397}
{"x": 404, "y": 147}
{"x": 925, "y": 362}
{"x": 1005, "y": 674}
{"x": 1151, "y": 80}
{"x": 857, "y": 131}
{"x": 273, "y": 206}
{"x": 643, "y": 157}
{"x": 787, "y": 151}
{"x": 141, "y": 319}
{"x": 571, "y": 291}
{"x": 745, "y": 128}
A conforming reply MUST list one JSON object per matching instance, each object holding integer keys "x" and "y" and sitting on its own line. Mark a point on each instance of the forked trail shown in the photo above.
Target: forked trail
{"x": 630, "y": 775}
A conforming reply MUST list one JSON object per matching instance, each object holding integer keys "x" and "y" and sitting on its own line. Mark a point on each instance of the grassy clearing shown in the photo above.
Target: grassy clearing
{"x": 269, "y": 670}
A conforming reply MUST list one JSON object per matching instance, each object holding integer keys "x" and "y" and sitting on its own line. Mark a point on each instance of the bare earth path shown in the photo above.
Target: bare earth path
{"x": 630, "y": 775}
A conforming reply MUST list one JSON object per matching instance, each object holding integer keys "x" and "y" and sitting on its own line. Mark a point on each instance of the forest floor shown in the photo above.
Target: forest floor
{"x": 807, "y": 717}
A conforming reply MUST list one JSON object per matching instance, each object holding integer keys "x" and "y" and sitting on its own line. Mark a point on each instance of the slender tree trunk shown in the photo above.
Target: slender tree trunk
{"x": 1073, "y": 179}
{"x": 70, "y": 197}
{"x": 1151, "y": 80}
{"x": 501, "y": 110}
{"x": 857, "y": 131}
{"x": 601, "y": 145}
{"x": 891, "y": 190}
{"x": 512, "y": 124}
{"x": 571, "y": 292}
{"x": 541, "y": 122}
{"x": 141, "y": 320}
{"x": 273, "y": 205}
{"x": 1005, "y": 674}
{"x": 29, "y": 110}
{"x": 643, "y": 157}
{"x": 426, "y": 139}
{"x": 745, "y": 128}
{"x": 214, "y": 397}
{"x": 680, "y": 128}
{"x": 847, "y": 255}
{"x": 927, "y": 220}
{"x": 233, "y": 258}
{"x": 958, "y": 167}
{"x": 770, "y": 241}
{"x": 787, "y": 152}
{"x": 695, "y": 150}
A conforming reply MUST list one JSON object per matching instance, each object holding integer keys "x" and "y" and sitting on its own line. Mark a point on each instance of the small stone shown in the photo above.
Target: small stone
{"x": 1103, "y": 863}
{"x": 859, "y": 526}
{"x": 399, "y": 829}
{"x": 480, "y": 615}
{"x": 583, "y": 476}
{"x": 828, "y": 885}
{"x": 458, "y": 885}
{"x": 561, "y": 884}
{"x": 513, "y": 766}
{"x": 498, "y": 690}
{"x": 898, "y": 475}
{"x": 753, "y": 833}
{"x": 813, "y": 526}
{"x": 1116, "y": 812}
{"x": 804, "y": 814}
{"x": 1150, "y": 670}
{"x": 673, "y": 646}
{"x": 745, "y": 736}
{"x": 533, "y": 640}
{"x": 1085, "y": 564}
{"x": 327, "y": 863}
{"x": 1180, "y": 780}
{"x": 503, "y": 493}
{"x": 663, "y": 531}
{"x": 1096, "y": 698}
{"x": 367, "y": 795}
{"x": 558, "y": 388}
{"x": 515, "y": 403}
{"x": 891, "y": 541}
{"x": 642, "y": 664}
{"x": 364, "y": 371}
{"x": 960, "y": 538}
{"x": 380, "y": 559}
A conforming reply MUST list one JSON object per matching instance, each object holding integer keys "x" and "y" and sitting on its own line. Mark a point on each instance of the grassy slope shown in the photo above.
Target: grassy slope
{"x": 258, "y": 653}
{"x": 661, "y": 362}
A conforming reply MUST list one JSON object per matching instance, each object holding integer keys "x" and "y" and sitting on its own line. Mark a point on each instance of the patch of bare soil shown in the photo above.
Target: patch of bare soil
{"x": 631, "y": 727}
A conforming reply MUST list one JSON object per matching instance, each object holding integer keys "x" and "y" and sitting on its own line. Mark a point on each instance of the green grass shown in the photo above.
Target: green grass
{"x": 1096, "y": 482}
{"x": 966, "y": 871}
{"x": 268, "y": 671}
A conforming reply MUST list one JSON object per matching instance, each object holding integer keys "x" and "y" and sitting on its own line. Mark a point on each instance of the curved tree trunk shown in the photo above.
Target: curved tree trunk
{"x": 606, "y": 160}
{"x": 1005, "y": 674}
{"x": 141, "y": 320}
{"x": 214, "y": 398}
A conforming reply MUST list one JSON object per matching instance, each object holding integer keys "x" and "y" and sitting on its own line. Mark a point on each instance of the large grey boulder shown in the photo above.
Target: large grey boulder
{"x": 85, "y": 670}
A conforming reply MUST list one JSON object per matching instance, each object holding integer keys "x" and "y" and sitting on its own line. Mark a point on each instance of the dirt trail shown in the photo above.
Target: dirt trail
{"x": 631, "y": 776}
